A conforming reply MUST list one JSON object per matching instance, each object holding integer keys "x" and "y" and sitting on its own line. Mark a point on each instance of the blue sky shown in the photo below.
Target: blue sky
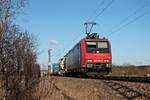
{"x": 59, "y": 25}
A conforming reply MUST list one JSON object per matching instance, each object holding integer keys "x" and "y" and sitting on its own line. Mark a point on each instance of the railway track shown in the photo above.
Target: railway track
{"x": 131, "y": 88}
{"x": 127, "y": 92}
{"x": 115, "y": 78}
{"x": 125, "y": 78}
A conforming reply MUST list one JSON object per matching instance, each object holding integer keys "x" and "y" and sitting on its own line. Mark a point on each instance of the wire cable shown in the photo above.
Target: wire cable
{"x": 130, "y": 22}
{"x": 102, "y": 11}
{"x": 129, "y": 16}
{"x": 97, "y": 9}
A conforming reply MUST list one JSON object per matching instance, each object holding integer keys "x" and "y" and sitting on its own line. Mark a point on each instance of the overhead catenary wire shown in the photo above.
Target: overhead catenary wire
{"x": 128, "y": 17}
{"x": 102, "y": 11}
{"x": 100, "y": 5}
{"x": 130, "y": 22}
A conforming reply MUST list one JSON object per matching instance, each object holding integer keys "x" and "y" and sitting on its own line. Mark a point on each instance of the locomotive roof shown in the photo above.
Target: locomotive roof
{"x": 95, "y": 39}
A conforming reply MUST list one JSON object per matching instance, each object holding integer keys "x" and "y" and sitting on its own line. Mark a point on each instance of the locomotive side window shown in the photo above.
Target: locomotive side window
{"x": 91, "y": 47}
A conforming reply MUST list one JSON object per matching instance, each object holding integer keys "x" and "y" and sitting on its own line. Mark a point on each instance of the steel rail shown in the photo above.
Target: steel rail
{"x": 126, "y": 78}
{"x": 138, "y": 79}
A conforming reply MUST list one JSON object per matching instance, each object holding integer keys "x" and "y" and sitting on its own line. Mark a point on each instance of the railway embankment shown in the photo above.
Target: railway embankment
{"x": 69, "y": 88}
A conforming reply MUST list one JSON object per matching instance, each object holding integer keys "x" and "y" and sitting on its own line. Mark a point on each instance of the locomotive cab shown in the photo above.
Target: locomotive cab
{"x": 97, "y": 54}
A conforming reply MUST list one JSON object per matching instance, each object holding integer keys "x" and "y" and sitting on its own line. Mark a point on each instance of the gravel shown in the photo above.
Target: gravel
{"x": 141, "y": 87}
{"x": 67, "y": 88}
{"x": 85, "y": 89}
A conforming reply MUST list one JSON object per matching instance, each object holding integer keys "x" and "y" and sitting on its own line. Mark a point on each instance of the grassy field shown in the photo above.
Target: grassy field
{"x": 131, "y": 70}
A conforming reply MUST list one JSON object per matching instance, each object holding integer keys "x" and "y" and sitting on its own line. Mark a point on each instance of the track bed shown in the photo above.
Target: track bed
{"x": 69, "y": 88}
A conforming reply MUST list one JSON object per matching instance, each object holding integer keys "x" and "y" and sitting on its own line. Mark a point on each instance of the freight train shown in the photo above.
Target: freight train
{"x": 90, "y": 55}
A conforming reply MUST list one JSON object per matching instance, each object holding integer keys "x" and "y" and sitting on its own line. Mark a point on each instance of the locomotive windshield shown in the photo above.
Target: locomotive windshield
{"x": 97, "y": 47}
{"x": 102, "y": 45}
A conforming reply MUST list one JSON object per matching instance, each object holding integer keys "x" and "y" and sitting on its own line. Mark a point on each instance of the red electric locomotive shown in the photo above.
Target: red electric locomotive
{"x": 91, "y": 54}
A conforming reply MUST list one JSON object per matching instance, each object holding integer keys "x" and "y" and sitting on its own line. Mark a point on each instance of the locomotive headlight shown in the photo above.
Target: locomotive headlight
{"x": 106, "y": 60}
{"x": 89, "y": 60}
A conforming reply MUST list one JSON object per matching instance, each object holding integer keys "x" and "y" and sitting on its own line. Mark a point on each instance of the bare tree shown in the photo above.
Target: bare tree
{"x": 18, "y": 52}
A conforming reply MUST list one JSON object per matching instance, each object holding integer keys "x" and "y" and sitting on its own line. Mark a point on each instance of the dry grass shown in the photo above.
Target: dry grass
{"x": 131, "y": 70}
